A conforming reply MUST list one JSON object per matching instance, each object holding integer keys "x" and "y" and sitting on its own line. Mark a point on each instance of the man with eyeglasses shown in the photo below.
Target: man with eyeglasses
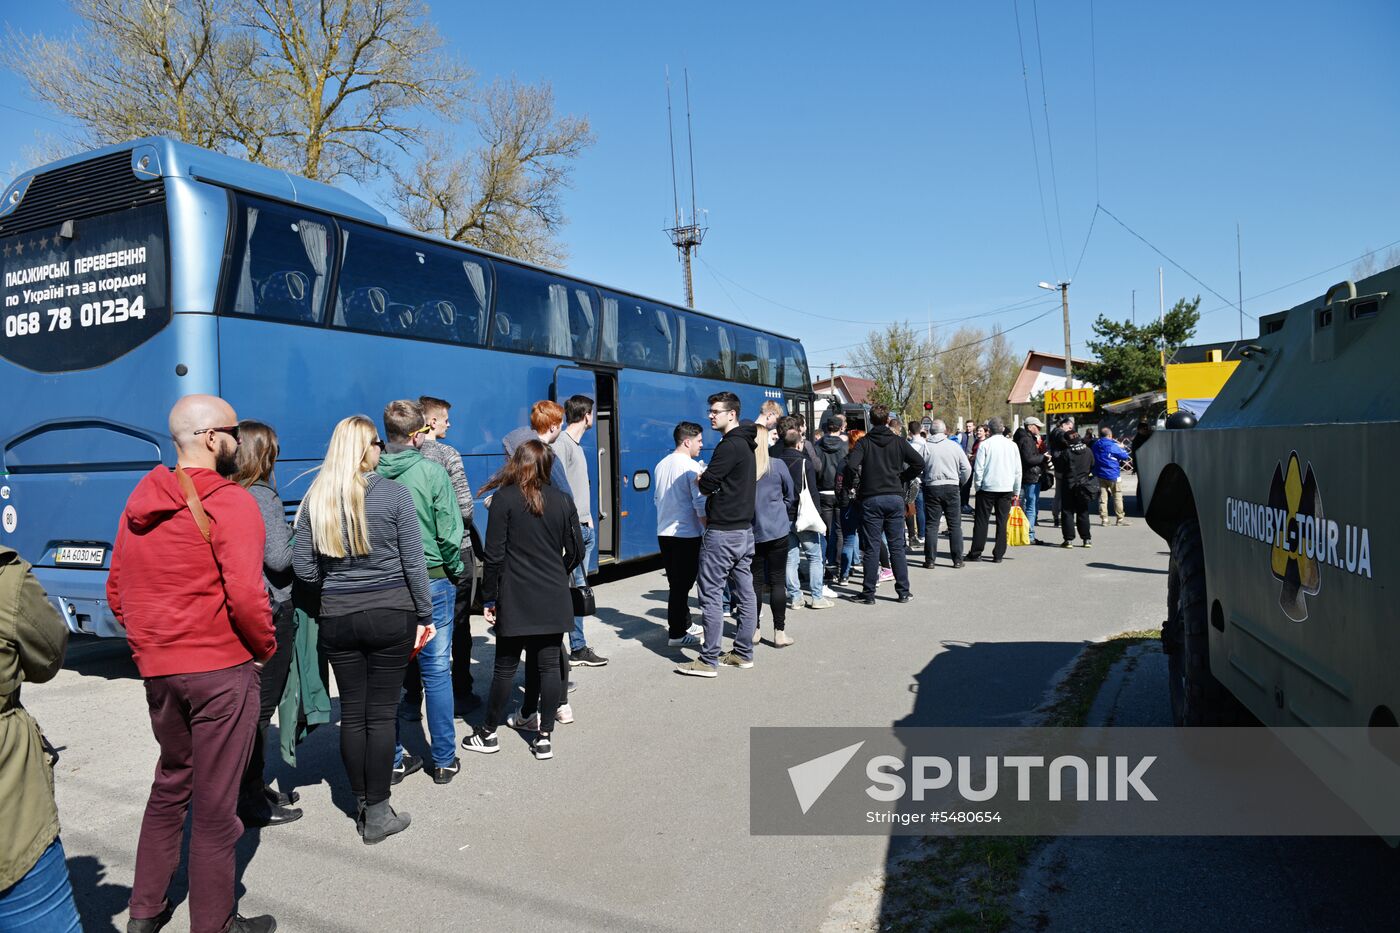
{"x": 187, "y": 584}
{"x": 726, "y": 551}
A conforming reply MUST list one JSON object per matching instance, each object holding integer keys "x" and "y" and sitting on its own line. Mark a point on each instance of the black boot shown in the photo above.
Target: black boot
{"x": 382, "y": 822}
{"x": 151, "y": 924}
{"x": 263, "y": 924}
{"x": 360, "y": 814}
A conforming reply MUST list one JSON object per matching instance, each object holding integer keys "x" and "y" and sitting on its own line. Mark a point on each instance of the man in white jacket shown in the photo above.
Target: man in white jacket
{"x": 996, "y": 478}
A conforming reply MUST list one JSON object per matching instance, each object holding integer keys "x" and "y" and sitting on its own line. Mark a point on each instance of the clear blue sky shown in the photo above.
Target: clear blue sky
{"x": 870, "y": 164}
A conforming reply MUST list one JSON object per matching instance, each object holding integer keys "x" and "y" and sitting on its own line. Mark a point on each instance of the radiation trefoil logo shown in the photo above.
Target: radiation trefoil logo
{"x": 1301, "y": 539}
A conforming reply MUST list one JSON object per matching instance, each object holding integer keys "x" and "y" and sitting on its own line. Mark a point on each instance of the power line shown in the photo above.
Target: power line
{"x": 1018, "y": 306}
{"x": 1086, "y": 243}
{"x": 726, "y": 291}
{"x": 37, "y": 116}
{"x": 1305, "y": 278}
{"x": 843, "y": 320}
{"x": 992, "y": 336}
{"x": 1035, "y": 147}
{"x": 1094, "y": 75}
{"x": 1049, "y": 137}
{"x": 1179, "y": 266}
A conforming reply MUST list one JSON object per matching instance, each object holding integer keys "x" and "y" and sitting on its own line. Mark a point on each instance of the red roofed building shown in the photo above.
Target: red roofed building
{"x": 1042, "y": 371}
{"x": 850, "y": 390}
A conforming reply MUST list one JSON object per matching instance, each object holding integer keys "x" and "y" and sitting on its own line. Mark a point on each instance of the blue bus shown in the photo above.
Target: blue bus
{"x": 149, "y": 270}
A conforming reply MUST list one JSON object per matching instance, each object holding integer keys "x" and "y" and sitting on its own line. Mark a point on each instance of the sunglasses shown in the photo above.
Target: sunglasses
{"x": 377, "y": 443}
{"x": 231, "y": 431}
{"x": 425, "y": 429}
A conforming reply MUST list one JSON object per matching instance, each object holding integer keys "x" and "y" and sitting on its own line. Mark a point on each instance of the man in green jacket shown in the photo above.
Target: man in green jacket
{"x": 34, "y": 886}
{"x": 405, "y": 429}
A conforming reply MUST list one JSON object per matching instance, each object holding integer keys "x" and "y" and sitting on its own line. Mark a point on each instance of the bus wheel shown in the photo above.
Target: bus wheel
{"x": 1197, "y": 698}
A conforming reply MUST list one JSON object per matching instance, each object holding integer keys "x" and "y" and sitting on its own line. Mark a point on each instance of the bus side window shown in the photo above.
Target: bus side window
{"x": 638, "y": 334}
{"x": 707, "y": 348}
{"x": 396, "y": 284}
{"x": 540, "y": 313}
{"x": 795, "y": 375}
{"x": 280, "y": 262}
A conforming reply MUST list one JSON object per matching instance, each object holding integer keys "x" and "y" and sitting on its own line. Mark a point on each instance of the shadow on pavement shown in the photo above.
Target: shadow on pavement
{"x": 98, "y": 902}
{"x": 108, "y": 658}
{"x": 1097, "y": 565}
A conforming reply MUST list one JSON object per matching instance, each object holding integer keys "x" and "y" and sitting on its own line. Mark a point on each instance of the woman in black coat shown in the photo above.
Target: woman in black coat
{"x": 533, "y": 544}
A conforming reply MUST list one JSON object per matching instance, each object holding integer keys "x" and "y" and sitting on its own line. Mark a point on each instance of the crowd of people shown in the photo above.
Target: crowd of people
{"x": 229, "y": 609}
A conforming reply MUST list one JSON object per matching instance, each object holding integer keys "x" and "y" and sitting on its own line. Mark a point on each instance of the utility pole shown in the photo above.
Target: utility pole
{"x": 1069, "y": 362}
{"x": 1135, "y": 307}
{"x": 1064, "y": 306}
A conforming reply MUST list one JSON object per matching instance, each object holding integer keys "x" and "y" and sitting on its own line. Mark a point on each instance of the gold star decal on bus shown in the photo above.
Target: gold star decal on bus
{"x": 1295, "y": 492}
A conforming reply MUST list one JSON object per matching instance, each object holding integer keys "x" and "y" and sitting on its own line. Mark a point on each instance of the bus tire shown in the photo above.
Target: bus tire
{"x": 1197, "y": 697}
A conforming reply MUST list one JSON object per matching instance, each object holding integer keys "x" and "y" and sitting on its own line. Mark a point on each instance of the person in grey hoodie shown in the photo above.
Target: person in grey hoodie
{"x": 946, "y": 469}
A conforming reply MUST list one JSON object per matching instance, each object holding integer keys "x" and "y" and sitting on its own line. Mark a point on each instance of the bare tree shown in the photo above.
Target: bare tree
{"x": 505, "y": 195}
{"x": 147, "y": 68}
{"x": 348, "y": 77}
{"x": 897, "y": 360}
{"x": 1369, "y": 264}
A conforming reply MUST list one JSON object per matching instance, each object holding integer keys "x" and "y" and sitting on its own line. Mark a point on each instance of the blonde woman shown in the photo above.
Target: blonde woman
{"x": 357, "y": 537}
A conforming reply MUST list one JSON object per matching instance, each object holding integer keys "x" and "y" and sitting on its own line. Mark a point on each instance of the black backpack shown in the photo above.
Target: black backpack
{"x": 829, "y": 467}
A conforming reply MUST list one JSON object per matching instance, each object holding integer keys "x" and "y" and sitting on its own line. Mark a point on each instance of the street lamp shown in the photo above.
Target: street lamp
{"x": 1064, "y": 305}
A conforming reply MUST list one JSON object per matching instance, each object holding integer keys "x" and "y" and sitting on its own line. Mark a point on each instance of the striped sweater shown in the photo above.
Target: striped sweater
{"x": 395, "y": 560}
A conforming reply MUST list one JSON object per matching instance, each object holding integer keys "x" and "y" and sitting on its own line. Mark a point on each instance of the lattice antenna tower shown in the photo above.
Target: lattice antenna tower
{"x": 685, "y": 237}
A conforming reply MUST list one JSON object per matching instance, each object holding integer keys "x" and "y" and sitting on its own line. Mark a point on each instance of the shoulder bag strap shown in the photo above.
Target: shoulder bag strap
{"x": 201, "y": 518}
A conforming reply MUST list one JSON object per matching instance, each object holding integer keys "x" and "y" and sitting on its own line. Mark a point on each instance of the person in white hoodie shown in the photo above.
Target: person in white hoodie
{"x": 946, "y": 469}
{"x": 996, "y": 479}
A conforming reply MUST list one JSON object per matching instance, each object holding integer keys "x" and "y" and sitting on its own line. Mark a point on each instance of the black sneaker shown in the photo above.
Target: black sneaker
{"x": 279, "y": 799}
{"x": 587, "y": 657}
{"x": 263, "y": 924}
{"x": 479, "y": 740}
{"x": 410, "y": 765}
{"x": 542, "y": 748}
{"x": 860, "y": 598}
{"x": 904, "y": 599}
{"x": 446, "y": 774}
{"x": 151, "y": 924}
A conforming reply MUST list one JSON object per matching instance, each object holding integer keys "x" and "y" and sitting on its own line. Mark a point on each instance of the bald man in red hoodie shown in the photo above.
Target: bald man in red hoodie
{"x": 186, "y": 582}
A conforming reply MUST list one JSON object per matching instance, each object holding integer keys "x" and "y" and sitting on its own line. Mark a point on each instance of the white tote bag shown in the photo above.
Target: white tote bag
{"x": 809, "y": 517}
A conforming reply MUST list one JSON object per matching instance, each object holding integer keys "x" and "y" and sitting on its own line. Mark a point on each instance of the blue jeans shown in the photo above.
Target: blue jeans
{"x": 850, "y": 541}
{"x": 435, "y": 664}
{"x": 919, "y": 514}
{"x": 804, "y": 547}
{"x": 1030, "y": 504}
{"x": 41, "y": 901}
{"x": 576, "y": 640}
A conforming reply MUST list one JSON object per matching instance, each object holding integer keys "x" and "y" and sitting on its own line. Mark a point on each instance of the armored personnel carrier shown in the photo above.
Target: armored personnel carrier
{"x": 1274, "y": 508}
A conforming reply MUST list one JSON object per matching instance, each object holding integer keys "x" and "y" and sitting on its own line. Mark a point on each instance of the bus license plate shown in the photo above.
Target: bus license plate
{"x": 86, "y": 556}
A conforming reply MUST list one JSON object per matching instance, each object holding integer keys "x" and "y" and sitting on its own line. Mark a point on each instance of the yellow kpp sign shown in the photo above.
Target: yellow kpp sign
{"x": 1068, "y": 401}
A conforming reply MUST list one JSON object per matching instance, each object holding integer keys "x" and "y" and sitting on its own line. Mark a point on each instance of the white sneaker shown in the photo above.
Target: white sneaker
{"x": 688, "y": 640}
{"x": 695, "y": 629}
{"x": 564, "y": 714}
{"x": 828, "y": 593}
{"x": 821, "y": 604}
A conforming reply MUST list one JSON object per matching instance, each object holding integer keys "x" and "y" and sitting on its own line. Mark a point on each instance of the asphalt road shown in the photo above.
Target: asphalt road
{"x": 640, "y": 822}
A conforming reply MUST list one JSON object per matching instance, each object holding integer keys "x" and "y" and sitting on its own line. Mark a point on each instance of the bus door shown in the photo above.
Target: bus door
{"x": 600, "y": 447}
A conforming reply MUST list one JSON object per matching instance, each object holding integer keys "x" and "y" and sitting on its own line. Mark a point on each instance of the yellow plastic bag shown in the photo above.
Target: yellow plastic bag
{"x": 1018, "y": 530}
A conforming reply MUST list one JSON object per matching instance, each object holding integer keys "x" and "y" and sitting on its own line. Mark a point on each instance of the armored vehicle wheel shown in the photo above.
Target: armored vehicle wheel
{"x": 1198, "y": 699}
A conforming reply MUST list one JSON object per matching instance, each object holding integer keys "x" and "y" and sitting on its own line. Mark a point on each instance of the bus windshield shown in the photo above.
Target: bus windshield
{"x": 80, "y": 293}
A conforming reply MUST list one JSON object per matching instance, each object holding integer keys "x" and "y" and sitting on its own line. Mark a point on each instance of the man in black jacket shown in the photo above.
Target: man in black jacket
{"x": 1056, "y": 442}
{"x": 884, "y": 463}
{"x": 831, "y": 463}
{"x": 1078, "y": 487}
{"x": 1034, "y": 461}
{"x": 726, "y": 553}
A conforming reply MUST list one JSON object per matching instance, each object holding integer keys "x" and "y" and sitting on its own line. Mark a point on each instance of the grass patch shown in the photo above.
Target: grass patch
{"x": 964, "y": 884}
